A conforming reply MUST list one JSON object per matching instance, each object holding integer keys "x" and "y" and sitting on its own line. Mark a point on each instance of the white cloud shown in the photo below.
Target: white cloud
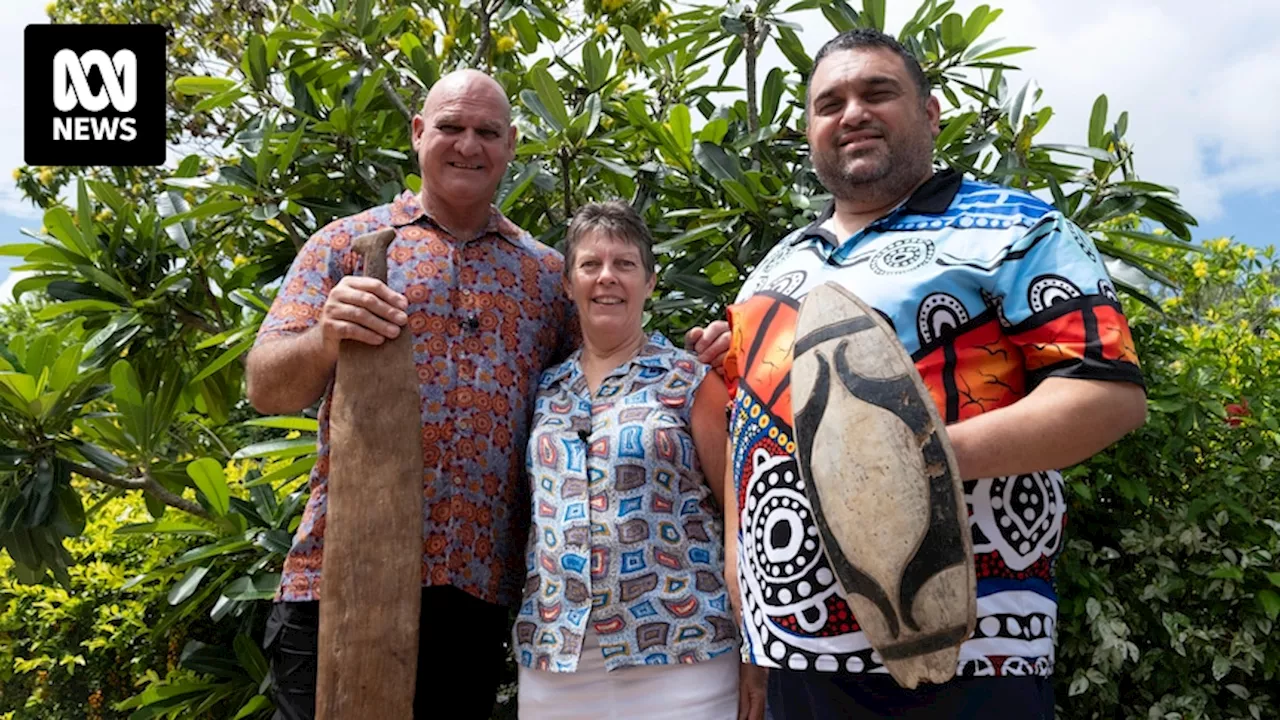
{"x": 1201, "y": 82}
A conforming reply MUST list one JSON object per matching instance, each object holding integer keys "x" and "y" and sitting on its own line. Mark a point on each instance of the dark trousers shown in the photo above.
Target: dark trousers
{"x": 796, "y": 695}
{"x": 461, "y": 654}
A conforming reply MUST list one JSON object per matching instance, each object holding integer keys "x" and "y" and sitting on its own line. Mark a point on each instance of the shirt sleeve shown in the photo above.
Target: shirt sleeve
{"x": 1060, "y": 307}
{"x": 321, "y": 263}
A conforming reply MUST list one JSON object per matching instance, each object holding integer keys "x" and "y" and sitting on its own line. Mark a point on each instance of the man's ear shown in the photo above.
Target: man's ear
{"x": 933, "y": 110}
{"x": 416, "y": 128}
{"x": 512, "y": 136}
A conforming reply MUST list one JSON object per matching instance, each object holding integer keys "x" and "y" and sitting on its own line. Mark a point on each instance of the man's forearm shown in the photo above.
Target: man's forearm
{"x": 1061, "y": 423}
{"x": 290, "y": 373}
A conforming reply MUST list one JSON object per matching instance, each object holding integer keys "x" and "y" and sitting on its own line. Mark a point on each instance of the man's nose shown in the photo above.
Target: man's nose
{"x": 468, "y": 143}
{"x": 855, "y": 114}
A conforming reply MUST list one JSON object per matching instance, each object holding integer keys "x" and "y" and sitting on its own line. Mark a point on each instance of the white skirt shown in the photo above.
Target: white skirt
{"x": 706, "y": 690}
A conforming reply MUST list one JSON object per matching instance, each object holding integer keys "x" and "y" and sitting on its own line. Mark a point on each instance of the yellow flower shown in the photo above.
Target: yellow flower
{"x": 17, "y": 173}
{"x": 46, "y": 176}
{"x": 1221, "y": 245}
{"x": 661, "y": 20}
{"x": 239, "y": 260}
{"x": 506, "y": 43}
{"x": 1252, "y": 254}
{"x": 446, "y": 44}
{"x": 48, "y": 9}
{"x": 602, "y": 29}
{"x": 1201, "y": 268}
{"x": 103, "y": 216}
{"x": 428, "y": 28}
{"x": 612, "y": 5}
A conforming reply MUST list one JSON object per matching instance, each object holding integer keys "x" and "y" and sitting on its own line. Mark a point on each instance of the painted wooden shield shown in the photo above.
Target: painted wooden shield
{"x": 371, "y": 592}
{"x": 882, "y": 480}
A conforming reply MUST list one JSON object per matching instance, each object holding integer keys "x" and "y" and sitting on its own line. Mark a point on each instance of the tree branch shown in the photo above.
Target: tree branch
{"x": 394, "y": 97}
{"x": 146, "y": 484}
{"x": 482, "y": 49}
{"x": 752, "y": 51}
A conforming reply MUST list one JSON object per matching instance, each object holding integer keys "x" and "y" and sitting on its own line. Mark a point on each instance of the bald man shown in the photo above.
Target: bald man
{"x": 487, "y": 312}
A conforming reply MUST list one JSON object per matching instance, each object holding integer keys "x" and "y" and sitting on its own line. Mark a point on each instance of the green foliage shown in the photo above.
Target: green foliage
{"x": 75, "y": 652}
{"x": 1170, "y": 584}
{"x": 149, "y": 283}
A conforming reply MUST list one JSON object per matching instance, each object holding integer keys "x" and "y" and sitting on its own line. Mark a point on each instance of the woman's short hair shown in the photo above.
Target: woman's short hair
{"x": 615, "y": 219}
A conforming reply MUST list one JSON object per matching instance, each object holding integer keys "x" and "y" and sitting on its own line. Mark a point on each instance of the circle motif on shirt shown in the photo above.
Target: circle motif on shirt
{"x": 788, "y": 284}
{"x": 1108, "y": 290}
{"x": 780, "y": 544}
{"x": 1026, "y": 516}
{"x": 1049, "y": 290}
{"x": 902, "y": 256}
{"x": 940, "y": 314}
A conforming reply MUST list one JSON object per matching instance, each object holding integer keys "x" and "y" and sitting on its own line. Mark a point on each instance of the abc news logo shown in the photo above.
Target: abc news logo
{"x": 95, "y": 95}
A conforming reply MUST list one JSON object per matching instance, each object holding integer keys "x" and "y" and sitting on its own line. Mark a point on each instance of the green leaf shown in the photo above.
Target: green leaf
{"x": 1270, "y": 602}
{"x": 250, "y": 656}
{"x": 635, "y": 42}
{"x": 774, "y": 85}
{"x": 740, "y": 193}
{"x": 873, "y": 13}
{"x": 679, "y": 125}
{"x": 1003, "y": 52}
{"x": 187, "y": 585}
{"x": 286, "y": 422}
{"x": 224, "y": 359}
{"x": 60, "y": 225}
{"x": 1227, "y": 572}
{"x": 527, "y": 32}
{"x": 166, "y": 526}
{"x": 75, "y": 306}
{"x": 126, "y": 384}
{"x": 291, "y": 471}
{"x": 716, "y": 161}
{"x": 204, "y": 210}
{"x": 277, "y": 449}
{"x": 256, "y": 704}
{"x": 549, "y": 95}
{"x": 202, "y": 85}
{"x": 1098, "y": 124}
{"x": 257, "y": 58}
{"x": 1089, "y": 152}
{"x": 953, "y": 32}
{"x": 258, "y": 587}
{"x": 212, "y": 483}
{"x": 84, "y": 211}
{"x": 1274, "y": 577}
{"x": 790, "y": 45}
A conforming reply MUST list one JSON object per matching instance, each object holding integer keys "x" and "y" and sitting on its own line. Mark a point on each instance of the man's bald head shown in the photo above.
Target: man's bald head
{"x": 464, "y": 140}
{"x": 469, "y": 84}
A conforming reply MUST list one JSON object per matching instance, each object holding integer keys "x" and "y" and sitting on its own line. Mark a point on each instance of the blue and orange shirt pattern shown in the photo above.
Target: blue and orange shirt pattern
{"x": 625, "y": 539}
{"x": 991, "y": 291}
{"x": 487, "y": 315}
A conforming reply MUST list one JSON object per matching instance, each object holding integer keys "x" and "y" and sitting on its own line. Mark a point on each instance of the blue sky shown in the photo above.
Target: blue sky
{"x": 1202, "y": 90}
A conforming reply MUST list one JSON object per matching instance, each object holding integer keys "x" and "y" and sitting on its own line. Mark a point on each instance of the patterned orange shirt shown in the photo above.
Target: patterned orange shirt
{"x": 487, "y": 315}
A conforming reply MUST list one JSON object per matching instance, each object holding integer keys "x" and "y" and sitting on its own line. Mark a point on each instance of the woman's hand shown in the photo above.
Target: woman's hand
{"x": 751, "y": 691}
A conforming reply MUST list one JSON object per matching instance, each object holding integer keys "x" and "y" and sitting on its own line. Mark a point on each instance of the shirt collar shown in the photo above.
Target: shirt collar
{"x": 658, "y": 353}
{"x": 931, "y": 198}
{"x": 407, "y": 209}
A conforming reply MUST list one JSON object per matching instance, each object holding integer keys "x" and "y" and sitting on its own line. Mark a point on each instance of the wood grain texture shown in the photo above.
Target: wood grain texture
{"x": 372, "y": 574}
{"x": 882, "y": 479}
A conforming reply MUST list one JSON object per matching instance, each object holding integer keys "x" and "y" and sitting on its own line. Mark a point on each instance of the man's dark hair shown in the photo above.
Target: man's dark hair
{"x": 870, "y": 39}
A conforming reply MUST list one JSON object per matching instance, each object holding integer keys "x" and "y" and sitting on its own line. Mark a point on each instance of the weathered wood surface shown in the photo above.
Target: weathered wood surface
{"x": 882, "y": 480}
{"x": 372, "y": 575}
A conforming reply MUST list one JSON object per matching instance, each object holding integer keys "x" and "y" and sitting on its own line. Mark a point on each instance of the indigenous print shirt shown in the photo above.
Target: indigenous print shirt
{"x": 624, "y": 538}
{"x": 991, "y": 291}
{"x": 487, "y": 315}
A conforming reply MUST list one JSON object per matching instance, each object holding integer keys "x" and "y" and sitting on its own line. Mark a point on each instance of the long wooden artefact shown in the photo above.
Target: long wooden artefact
{"x": 882, "y": 480}
{"x": 372, "y": 577}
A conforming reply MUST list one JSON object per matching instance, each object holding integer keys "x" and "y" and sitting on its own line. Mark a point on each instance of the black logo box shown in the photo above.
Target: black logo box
{"x": 42, "y": 43}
